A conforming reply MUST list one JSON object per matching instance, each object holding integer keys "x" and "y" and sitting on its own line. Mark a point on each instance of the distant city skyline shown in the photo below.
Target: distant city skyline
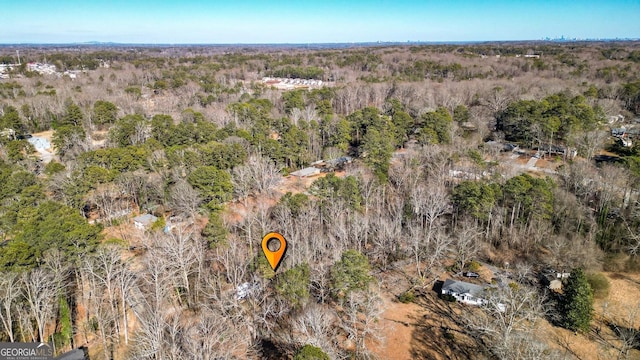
{"x": 328, "y": 21}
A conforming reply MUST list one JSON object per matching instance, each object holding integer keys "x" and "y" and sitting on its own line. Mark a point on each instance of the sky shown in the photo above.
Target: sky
{"x": 312, "y": 21}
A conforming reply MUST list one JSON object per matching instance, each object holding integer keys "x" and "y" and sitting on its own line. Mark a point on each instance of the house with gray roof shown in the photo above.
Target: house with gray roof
{"x": 306, "y": 172}
{"x": 144, "y": 221}
{"x": 464, "y": 292}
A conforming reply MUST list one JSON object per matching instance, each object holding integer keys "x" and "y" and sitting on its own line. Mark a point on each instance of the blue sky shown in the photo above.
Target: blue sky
{"x": 311, "y": 21}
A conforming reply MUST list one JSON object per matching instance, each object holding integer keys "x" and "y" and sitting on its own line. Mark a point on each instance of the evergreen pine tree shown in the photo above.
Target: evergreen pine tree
{"x": 577, "y": 304}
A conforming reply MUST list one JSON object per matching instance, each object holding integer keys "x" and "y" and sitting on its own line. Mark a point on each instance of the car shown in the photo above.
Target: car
{"x": 470, "y": 274}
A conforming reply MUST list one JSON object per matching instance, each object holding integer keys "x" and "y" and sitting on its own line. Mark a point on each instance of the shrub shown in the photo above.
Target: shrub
{"x": 599, "y": 284}
{"x": 632, "y": 264}
{"x": 310, "y": 352}
{"x": 473, "y": 266}
{"x": 407, "y": 297}
{"x": 613, "y": 262}
{"x": 449, "y": 298}
{"x": 159, "y": 224}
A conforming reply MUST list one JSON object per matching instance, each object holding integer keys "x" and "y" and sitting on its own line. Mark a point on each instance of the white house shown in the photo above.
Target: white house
{"x": 464, "y": 292}
{"x": 144, "y": 221}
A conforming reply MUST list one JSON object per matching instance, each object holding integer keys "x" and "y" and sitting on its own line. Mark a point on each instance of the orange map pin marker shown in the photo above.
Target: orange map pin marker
{"x": 274, "y": 246}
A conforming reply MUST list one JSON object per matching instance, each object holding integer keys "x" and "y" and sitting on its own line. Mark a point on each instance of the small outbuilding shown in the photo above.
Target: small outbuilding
{"x": 142, "y": 222}
{"x": 306, "y": 172}
{"x": 553, "y": 279}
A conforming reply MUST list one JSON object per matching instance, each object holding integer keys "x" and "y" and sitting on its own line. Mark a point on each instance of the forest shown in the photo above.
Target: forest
{"x": 489, "y": 163}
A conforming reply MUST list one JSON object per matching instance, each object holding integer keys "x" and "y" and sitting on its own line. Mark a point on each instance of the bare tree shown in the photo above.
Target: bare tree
{"x": 296, "y": 115}
{"x": 125, "y": 281}
{"x": 497, "y": 99}
{"x": 184, "y": 198}
{"x": 213, "y": 336}
{"x": 10, "y": 293}
{"x": 259, "y": 175}
{"x": 316, "y": 326}
{"x": 429, "y": 251}
{"x": 509, "y": 322}
{"x": 466, "y": 244}
{"x": 109, "y": 202}
{"x": 309, "y": 113}
{"x": 41, "y": 290}
{"x": 590, "y": 142}
{"x": 182, "y": 251}
{"x": 361, "y": 320}
{"x": 104, "y": 269}
{"x": 154, "y": 300}
{"x": 429, "y": 203}
{"x": 627, "y": 331}
{"x": 133, "y": 184}
{"x": 141, "y": 133}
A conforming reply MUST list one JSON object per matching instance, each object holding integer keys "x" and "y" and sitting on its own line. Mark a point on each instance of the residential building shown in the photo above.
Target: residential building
{"x": 464, "y": 292}
{"x": 142, "y": 222}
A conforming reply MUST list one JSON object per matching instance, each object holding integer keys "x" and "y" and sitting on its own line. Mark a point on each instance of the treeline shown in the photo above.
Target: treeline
{"x": 555, "y": 118}
{"x": 296, "y": 72}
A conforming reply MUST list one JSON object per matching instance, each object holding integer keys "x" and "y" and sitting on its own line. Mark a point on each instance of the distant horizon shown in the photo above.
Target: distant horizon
{"x": 443, "y": 42}
{"x": 314, "y": 21}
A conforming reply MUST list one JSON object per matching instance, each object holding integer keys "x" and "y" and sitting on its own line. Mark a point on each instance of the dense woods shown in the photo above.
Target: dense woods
{"x": 435, "y": 189}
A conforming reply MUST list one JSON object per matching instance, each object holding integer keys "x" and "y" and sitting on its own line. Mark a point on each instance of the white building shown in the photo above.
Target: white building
{"x": 144, "y": 221}
{"x": 464, "y": 292}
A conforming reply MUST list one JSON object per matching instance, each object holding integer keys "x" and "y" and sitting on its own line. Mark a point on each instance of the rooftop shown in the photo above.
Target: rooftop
{"x": 462, "y": 287}
{"x": 145, "y": 219}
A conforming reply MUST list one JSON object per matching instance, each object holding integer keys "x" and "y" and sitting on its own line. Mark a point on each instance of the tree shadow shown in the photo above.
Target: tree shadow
{"x": 441, "y": 333}
{"x": 566, "y": 346}
{"x": 270, "y": 349}
{"x": 599, "y": 159}
{"x": 626, "y": 334}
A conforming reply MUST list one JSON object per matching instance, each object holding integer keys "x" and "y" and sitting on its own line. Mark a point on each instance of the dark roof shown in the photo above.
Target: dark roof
{"x": 461, "y": 287}
{"x": 77, "y": 354}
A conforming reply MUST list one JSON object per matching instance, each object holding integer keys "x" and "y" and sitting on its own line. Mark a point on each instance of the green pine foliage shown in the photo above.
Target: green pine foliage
{"x": 528, "y": 198}
{"x": 310, "y": 352}
{"x": 215, "y": 233}
{"x": 551, "y": 119}
{"x": 214, "y": 185}
{"x": 65, "y": 330}
{"x": 331, "y": 187}
{"x": 475, "y": 198}
{"x": 350, "y": 273}
{"x": 436, "y": 127}
{"x": 577, "y": 304}
{"x": 49, "y": 225}
{"x": 293, "y": 285}
{"x": 104, "y": 112}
